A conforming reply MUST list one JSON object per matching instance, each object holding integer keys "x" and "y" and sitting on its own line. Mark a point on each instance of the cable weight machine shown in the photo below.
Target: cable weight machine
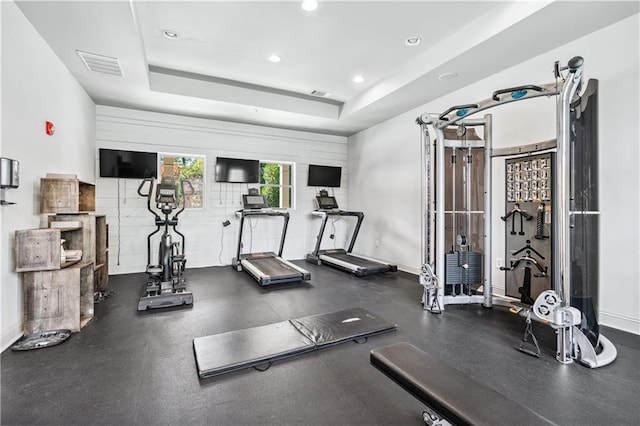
{"x": 565, "y": 218}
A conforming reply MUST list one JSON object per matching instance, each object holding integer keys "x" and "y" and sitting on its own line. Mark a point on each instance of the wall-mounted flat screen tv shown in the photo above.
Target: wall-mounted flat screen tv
{"x": 325, "y": 176}
{"x": 237, "y": 170}
{"x": 128, "y": 164}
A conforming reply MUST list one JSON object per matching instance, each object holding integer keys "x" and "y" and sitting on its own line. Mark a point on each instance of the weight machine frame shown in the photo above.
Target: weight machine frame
{"x": 552, "y": 306}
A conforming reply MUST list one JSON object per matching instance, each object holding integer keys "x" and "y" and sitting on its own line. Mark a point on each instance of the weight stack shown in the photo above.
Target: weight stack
{"x": 462, "y": 268}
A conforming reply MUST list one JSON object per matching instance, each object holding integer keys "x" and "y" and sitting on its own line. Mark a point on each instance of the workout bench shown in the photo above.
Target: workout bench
{"x": 445, "y": 390}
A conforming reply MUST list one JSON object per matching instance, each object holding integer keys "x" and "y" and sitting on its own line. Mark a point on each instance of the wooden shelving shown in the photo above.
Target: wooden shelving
{"x": 58, "y": 299}
{"x": 94, "y": 243}
{"x": 39, "y": 249}
{"x": 57, "y": 294}
{"x": 60, "y": 294}
{"x": 66, "y": 194}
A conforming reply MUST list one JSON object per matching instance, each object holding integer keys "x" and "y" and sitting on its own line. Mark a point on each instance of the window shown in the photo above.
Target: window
{"x": 276, "y": 183}
{"x": 189, "y": 168}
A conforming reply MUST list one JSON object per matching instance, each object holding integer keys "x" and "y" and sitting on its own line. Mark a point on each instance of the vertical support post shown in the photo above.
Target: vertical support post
{"x": 562, "y": 192}
{"x": 285, "y": 216}
{"x": 425, "y": 199}
{"x": 561, "y": 185}
{"x": 316, "y": 249}
{"x": 488, "y": 212}
{"x": 239, "y": 248}
{"x": 439, "y": 210}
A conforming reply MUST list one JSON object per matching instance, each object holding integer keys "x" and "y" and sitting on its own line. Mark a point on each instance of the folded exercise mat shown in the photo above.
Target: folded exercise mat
{"x": 250, "y": 347}
{"x": 235, "y": 350}
{"x": 337, "y": 327}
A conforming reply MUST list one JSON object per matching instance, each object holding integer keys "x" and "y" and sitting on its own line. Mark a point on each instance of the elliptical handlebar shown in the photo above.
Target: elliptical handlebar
{"x": 184, "y": 184}
{"x": 149, "y": 194}
{"x": 151, "y": 180}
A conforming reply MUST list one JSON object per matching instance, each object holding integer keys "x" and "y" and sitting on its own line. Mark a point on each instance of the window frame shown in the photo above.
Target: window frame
{"x": 291, "y": 186}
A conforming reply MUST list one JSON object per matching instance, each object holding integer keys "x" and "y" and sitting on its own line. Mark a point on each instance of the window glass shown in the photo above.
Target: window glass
{"x": 185, "y": 167}
{"x": 276, "y": 183}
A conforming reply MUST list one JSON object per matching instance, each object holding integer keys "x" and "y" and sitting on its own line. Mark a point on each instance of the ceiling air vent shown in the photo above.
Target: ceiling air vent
{"x": 319, "y": 93}
{"x": 99, "y": 63}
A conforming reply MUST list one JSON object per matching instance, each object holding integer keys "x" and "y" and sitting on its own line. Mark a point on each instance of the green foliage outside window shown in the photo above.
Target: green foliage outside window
{"x": 190, "y": 168}
{"x": 270, "y": 175}
{"x": 276, "y": 184}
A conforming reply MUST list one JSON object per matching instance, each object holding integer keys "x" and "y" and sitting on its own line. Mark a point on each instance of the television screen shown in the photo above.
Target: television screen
{"x": 236, "y": 170}
{"x": 128, "y": 164}
{"x": 326, "y": 176}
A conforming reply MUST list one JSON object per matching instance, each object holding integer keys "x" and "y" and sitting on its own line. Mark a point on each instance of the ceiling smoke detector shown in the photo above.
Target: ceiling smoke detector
{"x": 100, "y": 63}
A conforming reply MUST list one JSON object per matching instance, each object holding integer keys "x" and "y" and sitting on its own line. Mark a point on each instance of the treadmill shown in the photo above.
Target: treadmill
{"x": 265, "y": 267}
{"x": 341, "y": 258}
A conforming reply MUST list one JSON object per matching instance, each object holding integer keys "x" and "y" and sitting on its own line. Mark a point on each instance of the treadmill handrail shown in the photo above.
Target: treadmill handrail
{"x": 246, "y": 213}
{"x": 325, "y": 215}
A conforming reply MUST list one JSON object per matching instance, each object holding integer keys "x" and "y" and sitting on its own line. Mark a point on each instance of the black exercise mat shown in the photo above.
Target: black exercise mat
{"x": 337, "y": 327}
{"x": 235, "y": 350}
{"x": 251, "y": 347}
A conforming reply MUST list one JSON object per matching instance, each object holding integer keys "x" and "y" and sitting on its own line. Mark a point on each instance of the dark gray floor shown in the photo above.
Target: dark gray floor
{"x": 138, "y": 368}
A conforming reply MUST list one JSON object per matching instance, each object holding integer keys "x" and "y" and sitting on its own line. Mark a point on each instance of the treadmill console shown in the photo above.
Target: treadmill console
{"x": 326, "y": 202}
{"x": 254, "y": 202}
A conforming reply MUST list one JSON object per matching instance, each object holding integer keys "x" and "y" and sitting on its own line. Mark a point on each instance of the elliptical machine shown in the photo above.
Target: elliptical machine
{"x": 166, "y": 286}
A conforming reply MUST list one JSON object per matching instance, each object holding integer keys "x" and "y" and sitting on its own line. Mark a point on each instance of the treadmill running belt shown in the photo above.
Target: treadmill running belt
{"x": 365, "y": 264}
{"x": 235, "y": 350}
{"x": 337, "y": 327}
{"x": 272, "y": 268}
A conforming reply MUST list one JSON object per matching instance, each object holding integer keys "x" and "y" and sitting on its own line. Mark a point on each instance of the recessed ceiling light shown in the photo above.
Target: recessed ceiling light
{"x": 358, "y": 79}
{"x": 275, "y": 58}
{"x": 412, "y": 41}
{"x": 447, "y": 76}
{"x": 171, "y": 35}
{"x": 309, "y": 5}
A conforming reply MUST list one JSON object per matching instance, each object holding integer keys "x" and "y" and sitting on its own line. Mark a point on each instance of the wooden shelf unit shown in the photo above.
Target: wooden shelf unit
{"x": 57, "y": 295}
{"x": 39, "y": 249}
{"x": 58, "y": 299}
{"x": 94, "y": 243}
{"x": 66, "y": 194}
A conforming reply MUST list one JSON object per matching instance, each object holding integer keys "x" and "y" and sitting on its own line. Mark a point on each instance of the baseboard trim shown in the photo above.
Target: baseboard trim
{"x": 409, "y": 269}
{"x": 620, "y": 322}
{"x": 10, "y": 336}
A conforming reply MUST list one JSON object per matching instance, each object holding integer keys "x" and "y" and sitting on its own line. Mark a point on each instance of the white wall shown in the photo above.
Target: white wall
{"x": 208, "y": 243}
{"x": 385, "y": 159}
{"x": 36, "y": 87}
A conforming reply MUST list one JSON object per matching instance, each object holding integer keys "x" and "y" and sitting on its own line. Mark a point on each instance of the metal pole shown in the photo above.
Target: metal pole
{"x": 561, "y": 246}
{"x": 488, "y": 216}
{"x": 439, "y": 208}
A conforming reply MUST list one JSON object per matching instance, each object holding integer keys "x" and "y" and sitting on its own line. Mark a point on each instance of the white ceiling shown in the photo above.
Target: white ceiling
{"x": 218, "y": 67}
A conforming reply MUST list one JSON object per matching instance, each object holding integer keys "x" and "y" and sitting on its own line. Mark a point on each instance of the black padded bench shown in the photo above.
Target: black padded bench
{"x": 450, "y": 393}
